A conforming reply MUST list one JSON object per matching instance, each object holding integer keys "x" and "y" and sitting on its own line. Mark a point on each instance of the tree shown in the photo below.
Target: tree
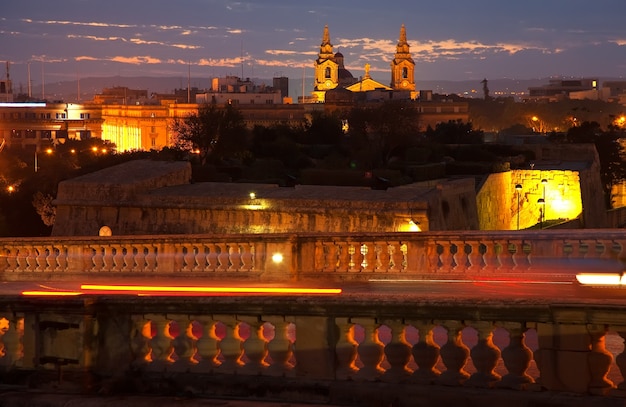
{"x": 609, "y": 148}
{"x": 384, "y": 131}
{"x": 455, "y": 132}
{"x": 213, "y": 131}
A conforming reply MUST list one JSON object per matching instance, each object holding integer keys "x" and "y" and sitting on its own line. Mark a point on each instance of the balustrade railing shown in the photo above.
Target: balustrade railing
{"x": 428, "y": 346}
{"x": 440, "y": 254}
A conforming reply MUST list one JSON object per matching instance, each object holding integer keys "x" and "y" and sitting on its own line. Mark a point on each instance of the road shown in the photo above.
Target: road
{"x": 532, "y": 290}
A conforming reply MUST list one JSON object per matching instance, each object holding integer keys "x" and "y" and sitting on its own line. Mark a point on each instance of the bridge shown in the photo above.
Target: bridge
{"x": 161, "y": 315}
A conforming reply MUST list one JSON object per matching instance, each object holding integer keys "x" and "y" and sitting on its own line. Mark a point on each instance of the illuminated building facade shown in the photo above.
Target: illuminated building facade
{"x": 33, "y": 125}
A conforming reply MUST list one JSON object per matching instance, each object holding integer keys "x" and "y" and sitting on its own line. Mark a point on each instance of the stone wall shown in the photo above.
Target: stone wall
{"x": 129, "y": 201}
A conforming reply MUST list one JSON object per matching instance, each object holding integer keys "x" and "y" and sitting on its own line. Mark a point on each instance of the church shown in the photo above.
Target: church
{"x": 330, "y": 73}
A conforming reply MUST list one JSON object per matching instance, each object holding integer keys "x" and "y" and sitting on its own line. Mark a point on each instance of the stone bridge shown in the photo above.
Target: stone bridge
{"x": 365, "y": 350}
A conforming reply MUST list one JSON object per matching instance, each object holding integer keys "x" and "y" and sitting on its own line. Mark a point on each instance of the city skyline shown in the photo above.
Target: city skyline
{"x": 452, "y": 40}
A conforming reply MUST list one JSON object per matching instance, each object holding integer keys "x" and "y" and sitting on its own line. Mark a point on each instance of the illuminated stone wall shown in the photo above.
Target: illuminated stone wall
{"x": 498, "y": 198}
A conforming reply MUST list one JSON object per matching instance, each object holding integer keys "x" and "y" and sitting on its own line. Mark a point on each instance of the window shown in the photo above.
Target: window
{"x": 30, "y": 133}
{"x": 152, "y": 141}
{"x": 405, "y": 73}
{"x": 153, "y": 129}
{"x": 46, "y": 134}
{"x": 85, "y": 115}
{"x": 327, "y": 72}
{"x": 60, "y": 115}
{"x": 16, "y": 133}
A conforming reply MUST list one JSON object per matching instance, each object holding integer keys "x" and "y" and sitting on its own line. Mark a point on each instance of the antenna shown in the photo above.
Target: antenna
{"x": 188, "y": 82}
{"x": 241, "y": 59}
{"x": 43, "y": 82}
{"x": 30, "y": 83}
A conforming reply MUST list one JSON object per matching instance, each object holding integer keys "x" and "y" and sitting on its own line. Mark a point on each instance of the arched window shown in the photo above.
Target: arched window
{"x": 405, "y": 73}
{"x": 327, "y": 72}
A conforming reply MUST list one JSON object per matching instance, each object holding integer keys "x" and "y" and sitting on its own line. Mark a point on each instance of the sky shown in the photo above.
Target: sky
{"x": 449, "y": 39}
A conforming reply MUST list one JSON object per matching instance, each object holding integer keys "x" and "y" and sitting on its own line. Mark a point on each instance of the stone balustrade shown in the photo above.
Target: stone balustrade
{"x": 326, "y": 349}
{"x": 552, "y": 254}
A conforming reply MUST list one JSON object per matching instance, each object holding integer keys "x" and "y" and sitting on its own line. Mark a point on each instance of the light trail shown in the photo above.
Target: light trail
{"x": 51, "y": 293}
{"x": 220, "y": 290}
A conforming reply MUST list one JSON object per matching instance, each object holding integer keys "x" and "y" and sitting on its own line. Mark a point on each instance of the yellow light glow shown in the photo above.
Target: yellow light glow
{"x": 601, "y": 279}
{"x": 10, "y": 188}
{"x": 277, "y": 258}
{"x": 51, "y": 293}
{"x": 94, "y": 149}
{"x": 252, "y": 195}
{"x": 239, "y": 290}
{"x": 49, "y": 150}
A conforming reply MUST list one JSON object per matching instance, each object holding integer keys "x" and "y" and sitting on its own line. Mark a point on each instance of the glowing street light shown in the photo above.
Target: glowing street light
{"x": 518, "y": 189}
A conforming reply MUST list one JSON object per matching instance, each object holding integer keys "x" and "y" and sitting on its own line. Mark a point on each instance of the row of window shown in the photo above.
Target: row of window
{"x": 47, "y": 134}
{"x": 44, "y": 115}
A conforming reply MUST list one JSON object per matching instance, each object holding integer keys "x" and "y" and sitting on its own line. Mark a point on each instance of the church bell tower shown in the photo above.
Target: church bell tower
{"x": 326, "y": 67}
{"x": 403, "y": 66}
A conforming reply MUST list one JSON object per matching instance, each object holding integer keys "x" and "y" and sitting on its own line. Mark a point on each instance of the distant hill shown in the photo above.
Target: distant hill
{"x": 68, "y": 90}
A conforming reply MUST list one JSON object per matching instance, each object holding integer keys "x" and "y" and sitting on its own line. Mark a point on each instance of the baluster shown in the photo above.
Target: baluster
{"x": 211, "y": 257}
{"x": 507, "y": 262}
{"x": 139, "y": 259}
{"x": 200, "y": 258}
{"x": 188, "y": 257}
{"x": 454, "y": 355}
{"x": 371, "y": 350}
{"x": 184, "y": 345}
{"x": 141, "y": 334}
{"x": 11, "y": 259}
{"x": 234, "y": 254}
{"x": 485, "y": 356}
{"x": 344, "y": 257}
{"x": 398, "y": 353}
{"x": 425, "y": 353}
{"x": 384, "y": 257}
{"x": 446, "y": 257}
{"x": 118, "y": 257}
{"x": 162, "y": 342}
{"x": 370, "y": 256}
{"x": 31, "y": 259}
{"x": 474, "y": 257}
{"x": 356, "y": 262}
{"x": 518, "y": 262}
{"x": 222, "y": 257}
{"x": 152, "y": 259}
{"x": 129, "y": 252}
{"x": 346, "y": 349}
{"x": 459, "y": 257}
{"x": 517, "y": 357}
{"x": 61, "y": 258}
{"x": 40, "y": 258}
{"x": 107, "y": 258}
{"x": 11, "y": 341}
{"x": 255, "y": 346}
{"x": 397, "y": 257}
{"x": 280, "y": 347}
{"x": 208, "y": 344}
{"x": 491, "y": 257}
{"x": 97, "y": 258}
{"x": 247, "y": 257}
{"x": 599, "y": 360}
{"x": 231, "y": 346}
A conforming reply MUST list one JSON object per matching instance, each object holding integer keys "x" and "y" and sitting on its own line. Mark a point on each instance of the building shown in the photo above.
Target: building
{"x": 36, "y": 125}
{"x": 338, "y": 89}
{"x": 560, "y": 88}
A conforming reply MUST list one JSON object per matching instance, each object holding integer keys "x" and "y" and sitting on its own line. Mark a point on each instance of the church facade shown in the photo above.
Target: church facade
{"x": 330, "y": 72}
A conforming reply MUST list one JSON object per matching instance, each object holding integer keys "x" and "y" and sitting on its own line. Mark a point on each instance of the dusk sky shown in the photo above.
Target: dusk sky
{"x": 449, "y": 39}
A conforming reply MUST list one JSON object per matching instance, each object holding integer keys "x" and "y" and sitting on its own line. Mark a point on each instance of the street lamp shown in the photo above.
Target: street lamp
{"x": 518, "y": 189}
{"x": 542, "y": 211}
{"x": 544, "y": 182}
{"x": 48, "y": 151}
